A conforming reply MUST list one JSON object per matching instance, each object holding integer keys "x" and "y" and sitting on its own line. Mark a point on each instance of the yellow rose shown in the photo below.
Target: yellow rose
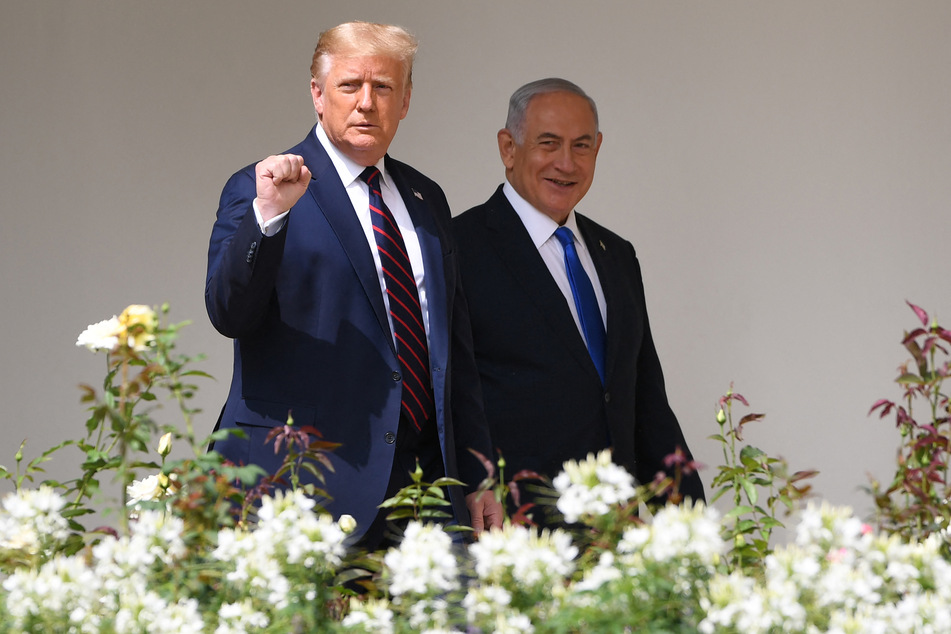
{"x": 138, "y": 323}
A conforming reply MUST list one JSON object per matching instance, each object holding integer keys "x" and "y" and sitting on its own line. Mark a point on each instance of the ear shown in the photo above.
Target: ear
{"x": 507, "y": 148}
{"x": 405, "y": 109}
{"x": 597, "y": 144}
{"x": 318, "y": 96}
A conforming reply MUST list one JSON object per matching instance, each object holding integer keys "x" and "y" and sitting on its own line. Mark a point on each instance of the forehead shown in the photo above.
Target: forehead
{"x": 563, "y": 114}
{"x": 381, "y": 66}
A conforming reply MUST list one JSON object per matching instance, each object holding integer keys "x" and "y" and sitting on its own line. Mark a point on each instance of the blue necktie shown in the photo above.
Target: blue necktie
{"x": 585, "y": 300}
{"x": 405, "y": 311}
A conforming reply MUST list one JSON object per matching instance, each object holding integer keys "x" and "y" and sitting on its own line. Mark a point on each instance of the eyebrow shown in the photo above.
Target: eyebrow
{"x": 552, "y": 135}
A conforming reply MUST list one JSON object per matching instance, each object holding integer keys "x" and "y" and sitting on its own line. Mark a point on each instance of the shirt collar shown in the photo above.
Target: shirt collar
{"x": 540, "y": 227}
{"x": 348, "y": 169}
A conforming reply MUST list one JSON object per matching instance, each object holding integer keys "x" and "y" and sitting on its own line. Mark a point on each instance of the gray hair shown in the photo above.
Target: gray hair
{"x": 518, "y": 103}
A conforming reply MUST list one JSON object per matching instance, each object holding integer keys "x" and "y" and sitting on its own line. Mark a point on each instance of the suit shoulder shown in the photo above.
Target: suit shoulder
{"x": 410, "y": 173}
{"x": 599, "y": 231}
{"x": 469, "y": 218}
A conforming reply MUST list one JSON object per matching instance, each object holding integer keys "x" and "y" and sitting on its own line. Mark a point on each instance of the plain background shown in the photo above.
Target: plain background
{"x": 781, "y": 168}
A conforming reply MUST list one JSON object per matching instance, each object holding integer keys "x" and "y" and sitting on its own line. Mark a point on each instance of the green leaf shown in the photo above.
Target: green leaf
{"x": 737, "y": 511}
{"x": 443, "y": 482}
{"x": 751, "y": 493}
{"x": 745, "y": 526}
{"x": 401, "y": 514}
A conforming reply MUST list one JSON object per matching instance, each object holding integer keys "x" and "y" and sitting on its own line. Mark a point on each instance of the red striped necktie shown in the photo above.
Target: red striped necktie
{"x": 405, "y": 311}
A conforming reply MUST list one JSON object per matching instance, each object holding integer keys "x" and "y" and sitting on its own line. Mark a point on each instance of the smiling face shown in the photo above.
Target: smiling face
{"x": 360, "y": 104}
{"x": 552, "y": 167}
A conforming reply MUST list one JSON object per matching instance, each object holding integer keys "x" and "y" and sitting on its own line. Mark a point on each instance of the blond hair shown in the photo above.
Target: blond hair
{"x": 353, "y": 39}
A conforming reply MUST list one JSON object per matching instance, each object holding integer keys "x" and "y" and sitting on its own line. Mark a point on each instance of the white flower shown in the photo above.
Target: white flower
{"x": 518, "y": 557}
{"x": 30, "y": 520}
{"x": 602, "y": 573}
{"x": 147, "y": 489}
{"x": 239, "y": 618}
{"x": 678, "y": 534}
{"x": 103, "y": 335}
{"x": 346, "y": 523}
{"x": 592, "y": 487}
{"x": 165, "y": 444}
{"x": 423, "y": 564}
{"x": 371, "y": 617}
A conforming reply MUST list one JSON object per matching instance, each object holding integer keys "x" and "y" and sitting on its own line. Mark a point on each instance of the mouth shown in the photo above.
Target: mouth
{"x": 561, "y": 183}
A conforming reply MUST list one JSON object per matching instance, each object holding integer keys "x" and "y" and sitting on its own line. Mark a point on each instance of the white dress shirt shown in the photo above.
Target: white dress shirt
{"x": 541, "y": 229}
{"x": 349, "y": 172}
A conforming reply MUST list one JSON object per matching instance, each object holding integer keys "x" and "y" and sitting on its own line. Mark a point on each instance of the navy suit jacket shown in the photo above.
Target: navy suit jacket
{"x": 311, "y": 336}
{"x": 543, "y": 397}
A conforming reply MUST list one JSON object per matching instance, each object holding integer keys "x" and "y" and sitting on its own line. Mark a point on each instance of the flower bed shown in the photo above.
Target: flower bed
{"x": 193, "y": 552}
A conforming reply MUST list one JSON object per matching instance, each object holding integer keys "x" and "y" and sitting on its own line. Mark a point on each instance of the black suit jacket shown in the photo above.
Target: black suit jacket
{"x": 306, "y": 313}
{"x": 543, "y": 397}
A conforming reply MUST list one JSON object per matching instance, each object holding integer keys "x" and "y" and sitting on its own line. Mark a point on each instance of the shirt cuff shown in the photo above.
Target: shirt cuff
{"x": 273, "y": 225}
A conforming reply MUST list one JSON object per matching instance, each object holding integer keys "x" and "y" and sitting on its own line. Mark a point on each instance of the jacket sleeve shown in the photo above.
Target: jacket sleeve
{"x": 469, "y": 422}
{"x": 242, "y": 262}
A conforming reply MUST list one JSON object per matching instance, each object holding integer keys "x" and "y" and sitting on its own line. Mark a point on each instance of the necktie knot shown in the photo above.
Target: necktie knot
{"x": 371, "y": 176}
{"x": 565, "y": 236}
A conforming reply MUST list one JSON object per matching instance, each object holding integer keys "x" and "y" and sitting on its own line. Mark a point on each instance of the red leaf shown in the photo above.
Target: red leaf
{"x": 884, "y": 403}
{"x": 749, "y": 418}
{"x": 310, "y": 429}
{"x": 528, "y": 474}
{"x": 922, "y": 315}
{"x": 486, "y": 463}
{"x": 515, "y": 493}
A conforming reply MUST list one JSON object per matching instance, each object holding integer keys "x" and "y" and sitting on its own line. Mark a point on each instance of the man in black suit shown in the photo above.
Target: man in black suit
{"x": 332, "y": 267}
{"x": 556, "y": 387}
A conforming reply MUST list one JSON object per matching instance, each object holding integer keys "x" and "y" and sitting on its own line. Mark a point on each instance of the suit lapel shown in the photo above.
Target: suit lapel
{"x": 334, "y": 203}
{"x": 515, "y": 248}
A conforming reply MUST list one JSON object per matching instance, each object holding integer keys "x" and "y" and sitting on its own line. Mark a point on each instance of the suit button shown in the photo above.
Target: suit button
{"x": 251, "y": 252}
{"x": 607, "y": 397}
{"x": 396, "y": 376}
{"x": 389, "y": 438}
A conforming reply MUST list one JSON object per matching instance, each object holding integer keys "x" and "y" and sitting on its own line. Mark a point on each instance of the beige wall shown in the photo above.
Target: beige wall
{"x": 781, "y": 168}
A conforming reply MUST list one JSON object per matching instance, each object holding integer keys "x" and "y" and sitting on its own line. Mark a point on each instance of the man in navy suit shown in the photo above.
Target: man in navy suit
{"x": 297, "y": 278}
{"x": 553, "y": 391}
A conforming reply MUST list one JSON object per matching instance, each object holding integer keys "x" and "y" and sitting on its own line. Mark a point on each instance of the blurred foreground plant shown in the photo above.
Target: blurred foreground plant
{"x": 188, "y": 559}
{"x": 760, "y": 486}
{"x": 915, "y": 503}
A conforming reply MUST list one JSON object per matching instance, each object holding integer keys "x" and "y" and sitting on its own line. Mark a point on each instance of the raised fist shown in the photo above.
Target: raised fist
{"x": 281, "y": 181}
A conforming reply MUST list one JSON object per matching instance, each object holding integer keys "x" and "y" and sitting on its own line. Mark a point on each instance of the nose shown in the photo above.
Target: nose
{"x": 365, "y": 100}
{"x": 565, "y": 159}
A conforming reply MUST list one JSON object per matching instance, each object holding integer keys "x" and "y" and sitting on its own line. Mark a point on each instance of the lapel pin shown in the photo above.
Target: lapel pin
{"x": 603, "y": 248}
{"x": 417, "y": 194}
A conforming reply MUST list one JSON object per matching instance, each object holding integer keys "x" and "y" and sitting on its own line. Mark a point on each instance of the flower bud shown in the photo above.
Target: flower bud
{"x": 721, "y": 416}
{"x": 165, "y": 444}
{"x": 347, "y": 524}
